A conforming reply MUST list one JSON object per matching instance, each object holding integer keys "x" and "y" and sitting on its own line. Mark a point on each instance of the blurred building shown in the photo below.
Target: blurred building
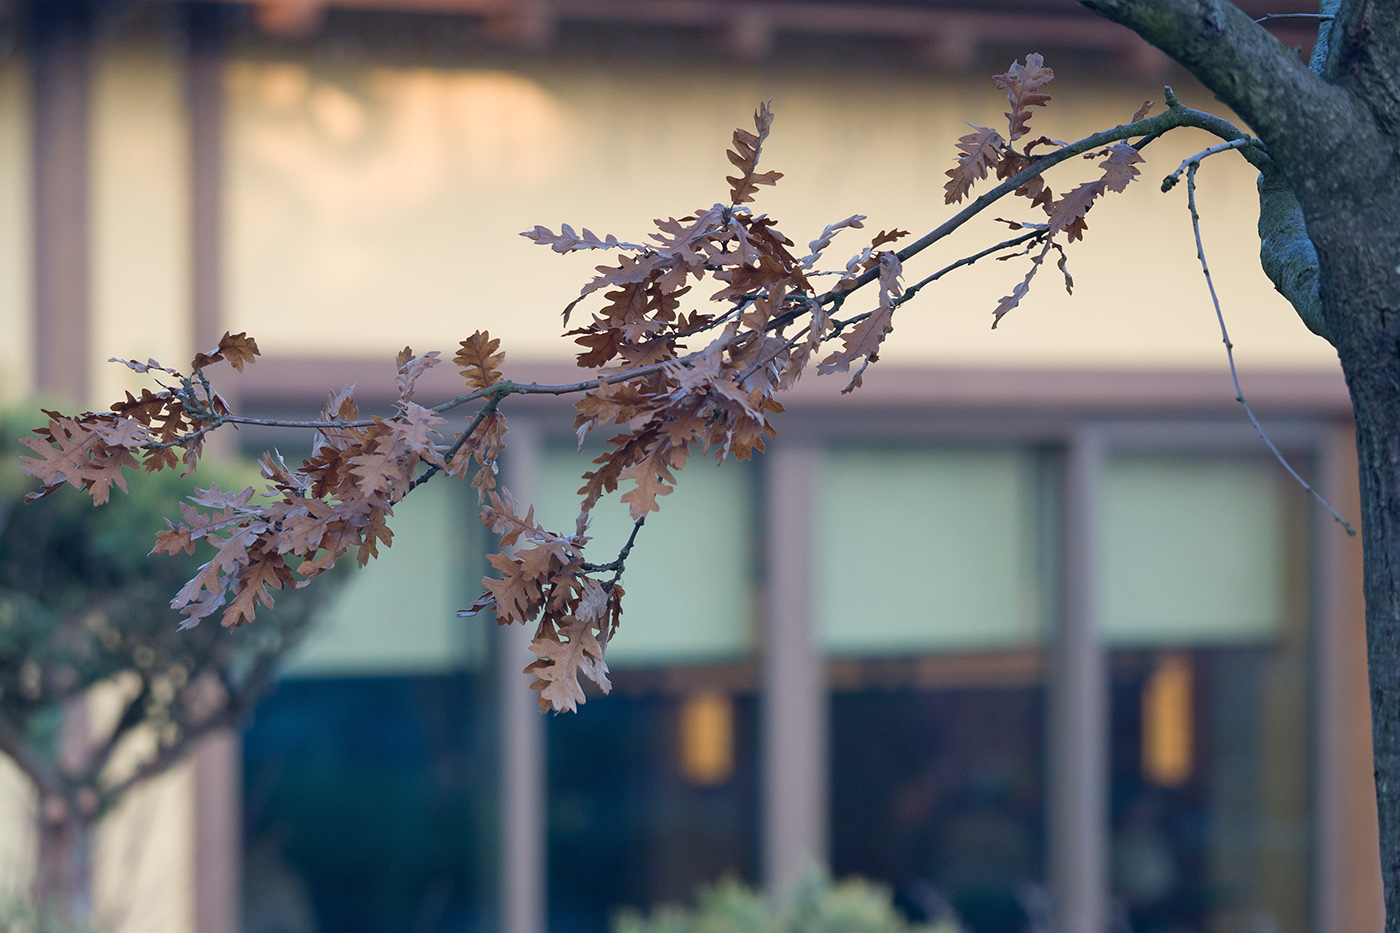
{"x": 1033, "y": 617}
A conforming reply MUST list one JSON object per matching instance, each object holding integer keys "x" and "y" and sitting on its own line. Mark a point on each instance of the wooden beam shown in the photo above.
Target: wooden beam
{"x": 1078, "y": 705}
{"x": 796, "y": 798}
{"x": 60, "y": 57}
{"x": 1052, "y": 23}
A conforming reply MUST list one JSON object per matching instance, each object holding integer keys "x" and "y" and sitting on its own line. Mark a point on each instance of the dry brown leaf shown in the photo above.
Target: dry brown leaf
{"x": 480, "y": 360}
{"x": 239, "y": 349}
{"x": 981, "y": 152}
{"x": 562, "y": 657}
{"x": 745, "y": 154}
{"x": 1022, "y": 84}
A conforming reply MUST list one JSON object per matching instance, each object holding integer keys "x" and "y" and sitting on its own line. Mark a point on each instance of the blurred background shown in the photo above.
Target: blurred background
{"x": 1032, "y": 619}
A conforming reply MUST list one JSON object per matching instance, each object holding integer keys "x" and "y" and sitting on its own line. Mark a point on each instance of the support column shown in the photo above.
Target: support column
{"x": 796, "y": 796}
{"x": 1347, "y": 878}
{"x": 218, "y": 835}
{"x": 204, "y": 95}
{"x": 60, "y": 58}
{"x": 1078, "y": 729}
{"x": 523, "y": 813}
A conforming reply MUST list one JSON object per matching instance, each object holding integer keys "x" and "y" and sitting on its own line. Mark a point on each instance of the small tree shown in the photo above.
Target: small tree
{"x": 86, "y": 628}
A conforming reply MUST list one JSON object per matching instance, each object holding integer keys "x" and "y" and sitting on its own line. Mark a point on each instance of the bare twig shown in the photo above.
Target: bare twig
{"x": 913, "y": 290}
{"x": 487, "y": 411}
{"x": 1170, "y": 181}
{"x": 1320, "y": 17}
{"x": 620, "y": 563}
{"x": 1191, "y": 166}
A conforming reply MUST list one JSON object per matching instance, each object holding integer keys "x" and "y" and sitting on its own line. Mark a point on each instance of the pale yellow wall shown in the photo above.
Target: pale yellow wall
{"x": 140, "y": 210}
{"x": 16, "y": 796}
{"x": 16, "y": 332}
{"x": 372, "y": 207}
{"x": 143, "y": 876}
{"x": 143, "y": 860}
{"x": 143, "y": 853}
{"x": 17, "y": 835}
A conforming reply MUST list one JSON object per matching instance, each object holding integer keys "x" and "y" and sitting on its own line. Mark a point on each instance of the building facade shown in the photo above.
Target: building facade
{"x": 1031, "y": 619}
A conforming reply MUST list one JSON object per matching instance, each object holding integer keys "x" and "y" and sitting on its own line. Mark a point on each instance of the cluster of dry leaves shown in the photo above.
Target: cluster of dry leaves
{"x": 669, "y": 380}
{"x": 987, "y": 150}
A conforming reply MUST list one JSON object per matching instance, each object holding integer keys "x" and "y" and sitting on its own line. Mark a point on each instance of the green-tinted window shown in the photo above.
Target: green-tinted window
{"x": 398, "y": 613}
{"x": 922, "y": 551}
{"x": 688, "y": 579}
{"x": 1192, "y": 551}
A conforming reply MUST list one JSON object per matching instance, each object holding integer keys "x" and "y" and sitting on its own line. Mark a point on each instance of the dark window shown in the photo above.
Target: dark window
{"x": 650, "y": 796}
{"x": 937, "y": 792}
{"x": 363, "y": 807}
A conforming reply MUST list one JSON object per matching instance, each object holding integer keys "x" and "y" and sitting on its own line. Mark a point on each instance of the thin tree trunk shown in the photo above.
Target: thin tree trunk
{"x": 1377, "y": 398}
{"x": 63, "y": 880}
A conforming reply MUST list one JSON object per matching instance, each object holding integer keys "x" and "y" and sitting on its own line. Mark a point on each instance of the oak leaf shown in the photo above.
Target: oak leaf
{"x": 981, "y": 152}
{"x": 1023, "y": 84}
{"x": 411, "y": 369}
{"x": 239, "y": 349}
{"x": 745, "y": 154}
{"x": 479, "y": 360}
{"x": 562, "y": 657}
{"x": 819, "y": 245}
{"x": 75, "y": 453}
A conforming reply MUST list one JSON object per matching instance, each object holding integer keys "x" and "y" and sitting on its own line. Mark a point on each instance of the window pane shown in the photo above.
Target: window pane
{"x": 1192, "y": 551}
{"x": 688, "y": 579}
{"x": 650, "y": 796}
{"x": 1210, "y": 790}
{"x": 924, "y": 550}
{"x": 398, "y": 613}
{"x": 368, "y": 806}
{"x": 937, "y": 792}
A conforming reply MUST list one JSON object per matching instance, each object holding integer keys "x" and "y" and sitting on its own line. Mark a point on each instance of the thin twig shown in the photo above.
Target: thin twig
{"x": 486, "y": 411}
{"x": 913, "y": 290}
{"x": 620, "y": 564}
{"x": 1170, "y": 181}
{"x": 1320, "y": 17}
{"x": 1230, "y": 347}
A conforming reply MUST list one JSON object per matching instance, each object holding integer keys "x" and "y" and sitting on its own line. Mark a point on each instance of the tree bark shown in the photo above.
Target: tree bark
{"x": 1378, "y": 451}
{"x": 62, "y": 880}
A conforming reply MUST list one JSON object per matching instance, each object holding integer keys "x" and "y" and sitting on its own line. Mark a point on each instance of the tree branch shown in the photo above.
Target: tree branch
{"x": 133, "y": 714}
{"x": 1286, "y": 253}
{"x": 1296, "y": 112}
{"x": 46, "y": 777}
{"x": 1363, "y": 55}
{"x": 1175, "y": 116}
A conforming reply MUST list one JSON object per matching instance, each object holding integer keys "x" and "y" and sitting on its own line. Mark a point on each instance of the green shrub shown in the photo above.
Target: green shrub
{"x": 819, "y": 905}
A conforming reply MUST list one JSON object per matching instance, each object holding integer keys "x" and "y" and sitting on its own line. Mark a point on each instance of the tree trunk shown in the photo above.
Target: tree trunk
{"x": 1376, "y": 397}
{"x": 62, "y": 878}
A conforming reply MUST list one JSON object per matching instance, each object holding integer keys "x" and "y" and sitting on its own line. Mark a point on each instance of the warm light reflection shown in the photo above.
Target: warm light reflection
{"x": 707, "y": 737}
{"x": 395, "y": 137}
{"x": 355, "y": 173}
{"x": 1167, "y": 727}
